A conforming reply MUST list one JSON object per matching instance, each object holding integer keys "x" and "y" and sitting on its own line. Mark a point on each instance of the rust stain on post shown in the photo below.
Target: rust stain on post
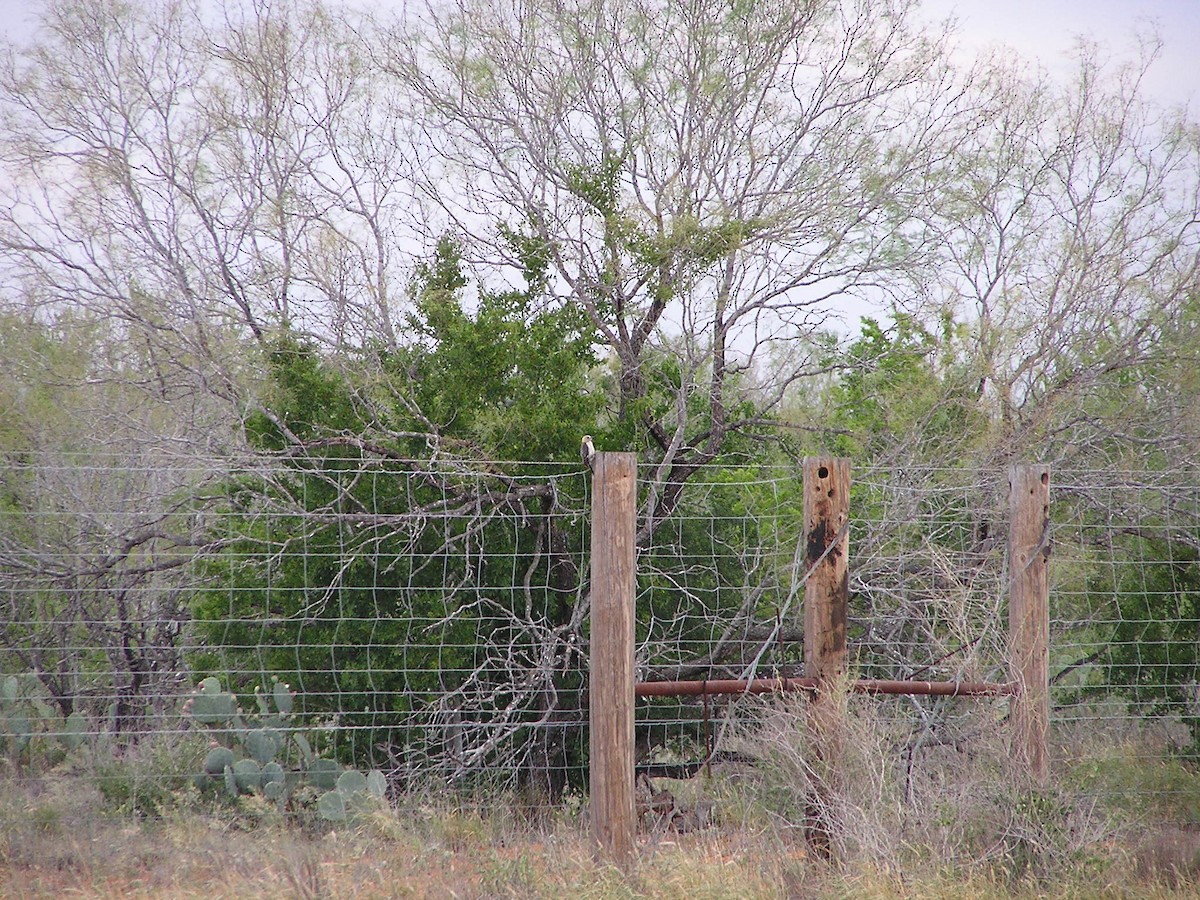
{"x": 827, "y": 543}
{"x": 1029, "y": 614}
{"x": 614, "y": 512}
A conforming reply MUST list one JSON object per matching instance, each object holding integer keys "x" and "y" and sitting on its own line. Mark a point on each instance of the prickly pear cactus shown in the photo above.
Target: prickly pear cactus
{"x": 245, "y": 745}
{"x": 211, "y": 706}
{"x": 323, "y": 773}
{"x": 74, "y": 732}
{"x": 353, "y": 795}
{"x": 262, "y": 753}
{"x": 26, "y": 713}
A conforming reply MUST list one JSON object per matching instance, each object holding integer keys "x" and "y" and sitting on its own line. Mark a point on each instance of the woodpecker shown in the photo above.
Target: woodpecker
{"x": 587, "y": 451}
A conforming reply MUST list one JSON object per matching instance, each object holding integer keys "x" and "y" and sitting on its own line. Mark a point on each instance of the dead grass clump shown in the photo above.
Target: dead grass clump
{"x": 1170, "y": 855}
{"x": 896, "y": 799}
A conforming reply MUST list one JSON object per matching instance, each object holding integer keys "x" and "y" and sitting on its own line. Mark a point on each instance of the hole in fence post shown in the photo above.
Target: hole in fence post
{"x": 826, "y": 597}
{"x": 1029, "y": 616}
{"x": 610, "y": 683}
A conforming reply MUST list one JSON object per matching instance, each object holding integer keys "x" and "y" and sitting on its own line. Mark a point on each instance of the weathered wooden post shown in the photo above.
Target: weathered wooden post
{"x": 827, "y": 542}
{"x": 1029, "y": 615}
{"x": 614, "y": 522}
{"x": 826, "y": 599}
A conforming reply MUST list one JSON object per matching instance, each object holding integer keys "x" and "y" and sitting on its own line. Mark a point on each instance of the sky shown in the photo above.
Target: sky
{"x": 1042, "y": 30}
{"x": 1046, "y": 31}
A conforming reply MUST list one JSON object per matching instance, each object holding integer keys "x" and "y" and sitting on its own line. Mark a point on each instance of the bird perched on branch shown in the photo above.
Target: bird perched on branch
{"x": 587, "y": 451}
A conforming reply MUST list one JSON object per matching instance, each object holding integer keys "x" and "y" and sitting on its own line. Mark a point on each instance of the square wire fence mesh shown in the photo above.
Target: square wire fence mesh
{"x": 430, "y": 620}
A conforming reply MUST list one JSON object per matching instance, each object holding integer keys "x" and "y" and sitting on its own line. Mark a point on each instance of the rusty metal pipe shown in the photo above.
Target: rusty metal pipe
{"x": 862, "y": 686}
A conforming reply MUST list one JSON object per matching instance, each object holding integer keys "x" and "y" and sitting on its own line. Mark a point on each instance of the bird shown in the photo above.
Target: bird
{"x": 587, "y": 451}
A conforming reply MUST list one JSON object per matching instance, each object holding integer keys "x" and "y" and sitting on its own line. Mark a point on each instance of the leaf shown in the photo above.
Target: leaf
{"x": 74, "y": 730}
{"x": 272, "y": 773}
{"x": 217, "y": 760}
{"x": 306, "y": 753}
{"x": 377, "y": 784}
{"x": 21, "y": 729}
{"x": 262, "y": 744}
{"x": 331, "y": 806}
{"x": 352, "y": 782}
{"x": 323, "y": 773}
{"x": 247, "y": 775}
{"x": 212, "y": 709}
{"x": 283, "y": 698}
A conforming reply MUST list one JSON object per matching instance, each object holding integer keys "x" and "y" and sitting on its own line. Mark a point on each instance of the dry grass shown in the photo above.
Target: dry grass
{"x": 955, "y": 824}
{"x": 190, "y": 856}
{"x": 64, "y": 844}
{"x": 52, "y": 852}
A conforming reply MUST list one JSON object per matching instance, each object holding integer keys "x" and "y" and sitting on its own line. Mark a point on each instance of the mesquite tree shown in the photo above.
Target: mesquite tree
{"x": 708, "y": 183}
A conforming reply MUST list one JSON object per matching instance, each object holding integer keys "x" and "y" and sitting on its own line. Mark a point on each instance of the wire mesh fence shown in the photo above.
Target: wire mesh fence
{"x": 430, "y": 620}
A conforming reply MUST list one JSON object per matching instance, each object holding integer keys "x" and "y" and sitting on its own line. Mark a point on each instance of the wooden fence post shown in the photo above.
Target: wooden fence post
{"x": 1029, "y": 615}
{"x": 826, "y": 598}
{"x": 827, "y": 542}
{"x": 611, "y": 687}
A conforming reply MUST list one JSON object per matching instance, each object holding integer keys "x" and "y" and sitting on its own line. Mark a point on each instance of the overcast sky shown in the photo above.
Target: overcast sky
{"x": 1046, "y": 30}
{"x": 1039, "y": 29}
